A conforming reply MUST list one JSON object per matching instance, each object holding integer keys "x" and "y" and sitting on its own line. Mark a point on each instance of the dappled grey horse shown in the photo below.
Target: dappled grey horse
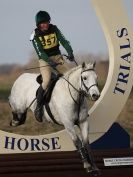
{"x": 68, "y": 104}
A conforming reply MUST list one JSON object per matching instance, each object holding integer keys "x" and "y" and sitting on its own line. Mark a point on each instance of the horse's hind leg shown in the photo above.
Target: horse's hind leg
{"x": 18, "y": 119}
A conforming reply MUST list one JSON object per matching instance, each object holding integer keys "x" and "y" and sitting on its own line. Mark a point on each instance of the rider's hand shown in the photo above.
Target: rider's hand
{"x": 53, "y": 64}
{"x": 71, "y": 57}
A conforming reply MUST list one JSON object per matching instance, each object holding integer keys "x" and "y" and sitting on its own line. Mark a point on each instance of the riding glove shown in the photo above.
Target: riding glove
{"x": 53, "y": 64}
{"x": 71, "y": 57}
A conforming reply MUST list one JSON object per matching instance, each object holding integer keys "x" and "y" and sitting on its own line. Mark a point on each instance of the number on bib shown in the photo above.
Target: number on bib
{"x": 49, "y": 41}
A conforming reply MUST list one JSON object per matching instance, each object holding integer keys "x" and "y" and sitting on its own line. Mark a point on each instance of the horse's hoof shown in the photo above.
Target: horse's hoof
{"x": 94, "y": 171}
{"x": 14, "y": 123}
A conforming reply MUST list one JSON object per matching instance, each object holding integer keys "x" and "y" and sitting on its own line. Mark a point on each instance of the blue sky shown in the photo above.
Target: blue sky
{"x": 75, "y": 18}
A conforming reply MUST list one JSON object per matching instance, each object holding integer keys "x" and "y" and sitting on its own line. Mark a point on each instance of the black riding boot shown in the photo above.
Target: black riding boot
{"x": 40, "y": 102}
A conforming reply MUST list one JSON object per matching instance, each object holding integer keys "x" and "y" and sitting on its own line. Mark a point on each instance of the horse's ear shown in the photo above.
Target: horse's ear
{"x": 94, "y": 64}
{"x": 83, "y": 65}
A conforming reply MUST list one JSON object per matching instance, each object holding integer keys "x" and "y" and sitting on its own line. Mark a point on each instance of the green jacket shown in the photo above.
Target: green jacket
{"x": 47, "y": 43}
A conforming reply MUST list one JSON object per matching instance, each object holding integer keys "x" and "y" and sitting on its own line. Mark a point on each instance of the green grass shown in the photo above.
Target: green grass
{"x": 4, "y": 93}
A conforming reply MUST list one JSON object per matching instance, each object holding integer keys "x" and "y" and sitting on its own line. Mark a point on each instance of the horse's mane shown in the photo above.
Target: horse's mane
{"x": 67, "y": 73}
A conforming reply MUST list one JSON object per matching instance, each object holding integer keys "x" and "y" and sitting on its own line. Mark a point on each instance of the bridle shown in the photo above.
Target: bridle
{"x": 82, "y": 84}
{"x": 81, "y": 92}
{"x": 82, "y": 81}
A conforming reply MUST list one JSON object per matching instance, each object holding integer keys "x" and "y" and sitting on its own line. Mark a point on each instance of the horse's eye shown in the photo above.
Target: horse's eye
{"x": 85, "y": 78}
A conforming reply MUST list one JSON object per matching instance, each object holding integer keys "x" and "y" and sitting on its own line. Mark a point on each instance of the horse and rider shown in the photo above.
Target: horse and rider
{"x": 68, "y": 103}
{"x": 46, "y": 39}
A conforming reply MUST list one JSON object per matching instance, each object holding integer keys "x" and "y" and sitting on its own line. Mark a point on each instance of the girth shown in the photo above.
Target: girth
{"x": 50, "y": 114}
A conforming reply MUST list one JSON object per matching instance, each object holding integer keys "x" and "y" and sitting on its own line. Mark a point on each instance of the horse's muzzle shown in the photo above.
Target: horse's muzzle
{"x": 95, "y": 97}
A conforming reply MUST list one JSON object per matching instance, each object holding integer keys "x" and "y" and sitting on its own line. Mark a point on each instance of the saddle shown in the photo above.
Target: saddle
{"x": 48, "y": 93}
{"x": 52, "y": 83}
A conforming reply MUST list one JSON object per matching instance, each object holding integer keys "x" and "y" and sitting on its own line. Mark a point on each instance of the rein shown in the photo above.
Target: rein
{"x": 82, "y": 93}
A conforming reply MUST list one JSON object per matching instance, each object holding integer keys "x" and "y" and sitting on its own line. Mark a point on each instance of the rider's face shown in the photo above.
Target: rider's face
{"x": 44, "y": 26}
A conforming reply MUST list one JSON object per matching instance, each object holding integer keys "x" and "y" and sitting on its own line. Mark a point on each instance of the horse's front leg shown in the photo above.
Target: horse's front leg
{"x": 84, "y": 127}
{"x": 78, "y": 144}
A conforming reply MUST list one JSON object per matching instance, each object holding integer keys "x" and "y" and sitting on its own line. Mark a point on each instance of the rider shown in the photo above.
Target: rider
{"x": 46, "y": 39}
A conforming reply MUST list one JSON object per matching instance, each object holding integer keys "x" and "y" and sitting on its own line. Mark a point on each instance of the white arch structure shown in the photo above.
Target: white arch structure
{"x": 119, "y": 37}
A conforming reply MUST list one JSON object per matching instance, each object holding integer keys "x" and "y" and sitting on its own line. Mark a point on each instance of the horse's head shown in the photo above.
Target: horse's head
{"x": 89, "y": 80}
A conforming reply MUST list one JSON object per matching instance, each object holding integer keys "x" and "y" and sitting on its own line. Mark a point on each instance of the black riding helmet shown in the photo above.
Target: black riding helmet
{"x": 42, "y": 16}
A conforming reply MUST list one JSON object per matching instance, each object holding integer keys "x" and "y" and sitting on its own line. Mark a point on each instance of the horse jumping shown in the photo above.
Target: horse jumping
{"x": 68, "y": 104}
